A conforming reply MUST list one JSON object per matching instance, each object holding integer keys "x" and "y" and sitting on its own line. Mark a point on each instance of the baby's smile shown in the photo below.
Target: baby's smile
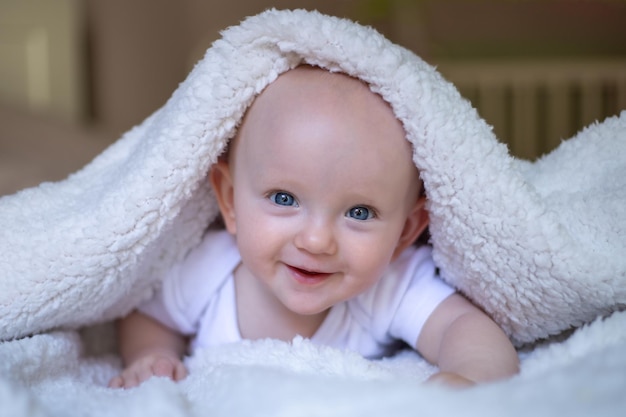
{"x": 307, "y": 277}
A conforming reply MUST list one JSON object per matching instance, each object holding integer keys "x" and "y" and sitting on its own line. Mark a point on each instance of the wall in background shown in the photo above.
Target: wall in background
{"x": 42, "y": 61}
{"x": 133, "y": 54}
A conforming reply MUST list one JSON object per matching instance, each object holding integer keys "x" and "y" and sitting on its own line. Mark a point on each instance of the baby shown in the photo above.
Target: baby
{"x": 321, "y": 203}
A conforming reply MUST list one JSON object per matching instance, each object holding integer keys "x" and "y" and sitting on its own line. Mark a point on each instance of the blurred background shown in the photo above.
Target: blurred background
{"x": 76, "y": 74}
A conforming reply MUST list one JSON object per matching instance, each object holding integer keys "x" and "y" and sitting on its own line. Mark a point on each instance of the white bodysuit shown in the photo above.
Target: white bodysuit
{"x": 198, "y": 299}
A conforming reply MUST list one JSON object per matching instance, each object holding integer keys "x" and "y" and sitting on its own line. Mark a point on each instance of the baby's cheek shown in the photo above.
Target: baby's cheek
{"x": 369, "y": 267}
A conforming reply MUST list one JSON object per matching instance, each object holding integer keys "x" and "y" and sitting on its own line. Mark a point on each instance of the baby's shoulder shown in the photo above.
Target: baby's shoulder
{"x": 207, "y": 266}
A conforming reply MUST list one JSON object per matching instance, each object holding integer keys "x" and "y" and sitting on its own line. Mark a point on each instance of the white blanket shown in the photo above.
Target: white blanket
{"x": 540, "y": 246}
{"x": 48, "y": 376}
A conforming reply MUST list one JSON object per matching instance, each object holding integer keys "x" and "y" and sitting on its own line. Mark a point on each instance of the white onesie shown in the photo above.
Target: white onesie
{"x": 198, "y": 299}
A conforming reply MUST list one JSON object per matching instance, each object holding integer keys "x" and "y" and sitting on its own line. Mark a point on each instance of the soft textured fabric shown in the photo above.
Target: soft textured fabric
{"x": 198, "y": 298}
{"x": 538, "y": 245}
{"x": 49, "y": 375}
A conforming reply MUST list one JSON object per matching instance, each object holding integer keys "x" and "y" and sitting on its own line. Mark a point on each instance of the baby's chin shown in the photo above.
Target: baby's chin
{"x": 308, "y": 308}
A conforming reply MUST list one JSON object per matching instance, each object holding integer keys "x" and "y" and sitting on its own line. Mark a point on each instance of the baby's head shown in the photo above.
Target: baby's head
{"x": 320, "y": 178}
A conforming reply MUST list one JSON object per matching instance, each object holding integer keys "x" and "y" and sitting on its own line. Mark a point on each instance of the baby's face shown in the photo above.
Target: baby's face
{"x": 323, "y": 183}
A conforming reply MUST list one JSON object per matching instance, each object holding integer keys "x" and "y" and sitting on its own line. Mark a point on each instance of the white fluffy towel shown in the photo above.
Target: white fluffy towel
{"x": 541, "y": 246}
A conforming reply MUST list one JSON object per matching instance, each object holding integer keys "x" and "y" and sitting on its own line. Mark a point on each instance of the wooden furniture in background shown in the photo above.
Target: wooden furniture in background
{"x": 533, "y": 105}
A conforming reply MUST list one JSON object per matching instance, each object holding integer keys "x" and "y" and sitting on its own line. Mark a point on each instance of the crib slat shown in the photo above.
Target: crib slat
{"x": 590, "y": 100}
{"x": 559, "y": 114}
{"x": 524, "y": 121}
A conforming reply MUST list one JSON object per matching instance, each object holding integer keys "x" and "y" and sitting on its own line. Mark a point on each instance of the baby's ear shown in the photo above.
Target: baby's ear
{"x": 416, "y": 223}
{"x": 222, "y": 183}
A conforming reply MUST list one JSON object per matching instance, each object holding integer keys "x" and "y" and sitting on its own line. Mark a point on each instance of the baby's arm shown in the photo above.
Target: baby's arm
{"x": 466, "y": 344}
{"x": 148, "y": 349}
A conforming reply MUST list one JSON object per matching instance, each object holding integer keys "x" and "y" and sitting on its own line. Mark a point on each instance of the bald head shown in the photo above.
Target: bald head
{"x": 306, "y": 91}
{"x": 327, "y": 105}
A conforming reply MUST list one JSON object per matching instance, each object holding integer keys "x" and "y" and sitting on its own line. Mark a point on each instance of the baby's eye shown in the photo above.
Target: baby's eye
{"x": 360, "y": 213}
{"x": 283, "y": 199}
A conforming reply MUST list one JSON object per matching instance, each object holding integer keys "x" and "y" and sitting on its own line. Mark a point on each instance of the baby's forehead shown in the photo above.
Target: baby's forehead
{"x": 307, "y": 89}
{"x": 312, "y": 98}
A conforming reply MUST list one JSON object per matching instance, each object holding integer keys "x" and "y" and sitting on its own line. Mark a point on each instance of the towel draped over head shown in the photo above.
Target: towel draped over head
{"x": 539, "y": 246}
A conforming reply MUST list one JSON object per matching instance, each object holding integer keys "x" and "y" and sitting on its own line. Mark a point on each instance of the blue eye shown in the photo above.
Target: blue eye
{"x": 283, "y": 199}
{"x": 360, "y": 213}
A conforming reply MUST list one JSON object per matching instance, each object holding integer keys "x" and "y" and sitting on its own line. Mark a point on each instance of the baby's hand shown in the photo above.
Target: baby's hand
{"x": 153, "y": 364}
{"x": 450, "y": 380}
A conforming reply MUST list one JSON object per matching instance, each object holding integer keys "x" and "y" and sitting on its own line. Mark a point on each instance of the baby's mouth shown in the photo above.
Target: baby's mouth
{"x": 306, "y": 276}
{"x": 305, "y": 272}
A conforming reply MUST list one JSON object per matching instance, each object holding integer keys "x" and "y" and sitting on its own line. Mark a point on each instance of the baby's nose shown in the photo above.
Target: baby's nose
{"x": 317, "y": 237}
